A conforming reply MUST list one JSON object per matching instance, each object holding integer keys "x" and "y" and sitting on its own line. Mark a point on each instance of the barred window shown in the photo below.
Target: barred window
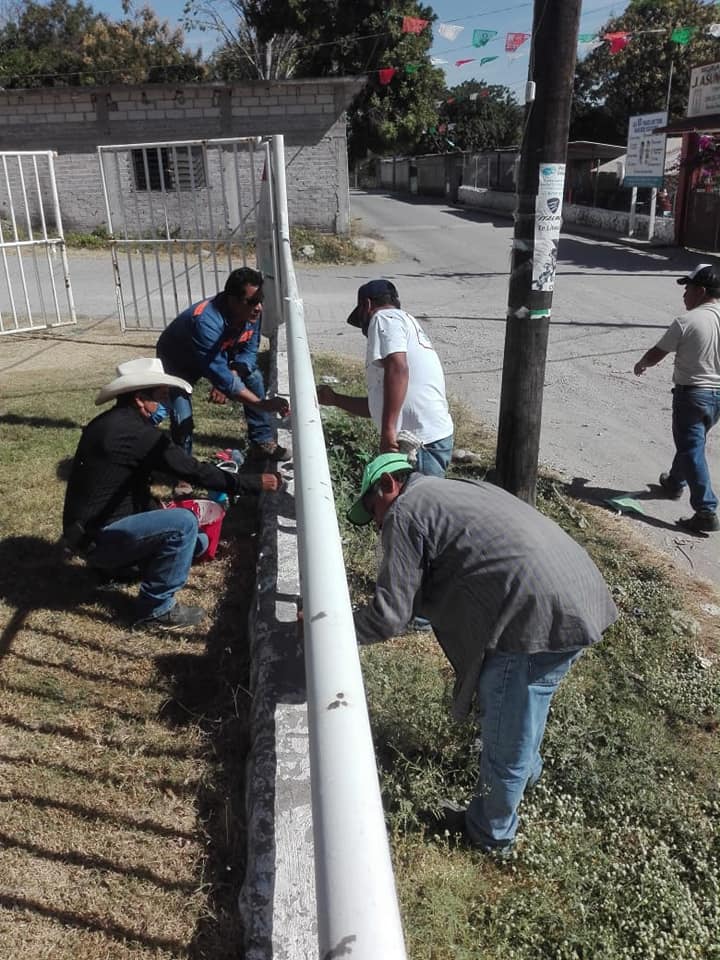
{"x": 168, "y": 168}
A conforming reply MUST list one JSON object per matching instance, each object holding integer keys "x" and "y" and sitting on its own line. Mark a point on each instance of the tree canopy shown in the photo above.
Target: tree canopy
{"x": 493, "y": 119}
{"x": 320, "y": 38}
{"x": 63, "y": 43}
{"x": 610, "y": 88}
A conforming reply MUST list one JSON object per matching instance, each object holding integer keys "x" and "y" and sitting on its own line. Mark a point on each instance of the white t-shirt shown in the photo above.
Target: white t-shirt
{"x": 694, "y": 338}
{"x": 425, "y": 410}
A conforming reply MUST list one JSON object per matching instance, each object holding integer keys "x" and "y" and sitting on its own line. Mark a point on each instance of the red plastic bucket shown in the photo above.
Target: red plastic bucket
{"x": 210, "y": 517}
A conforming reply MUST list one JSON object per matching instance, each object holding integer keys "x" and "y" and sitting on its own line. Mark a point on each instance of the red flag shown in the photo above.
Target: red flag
{"x": 413, "y": 24}
{"x": 515, "y": 40}
{"x": 386, "y": 75}
{"x": 618, "y": 41}
{"x": 484, "y": 93}
{"x": 459, "y": 63}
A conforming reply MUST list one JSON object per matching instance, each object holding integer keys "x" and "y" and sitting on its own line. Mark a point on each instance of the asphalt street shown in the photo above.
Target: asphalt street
{"x": 605, "y": 430}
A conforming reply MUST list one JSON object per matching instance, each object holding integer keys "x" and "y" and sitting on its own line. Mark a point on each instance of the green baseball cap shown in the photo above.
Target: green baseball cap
{"x": 385, "y": 463}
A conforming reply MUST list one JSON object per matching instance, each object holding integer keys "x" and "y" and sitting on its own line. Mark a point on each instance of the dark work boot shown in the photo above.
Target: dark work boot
{"x": 704, "y": 521}
{"x": 178, "y": 617}
{"x": 671, "y": 490}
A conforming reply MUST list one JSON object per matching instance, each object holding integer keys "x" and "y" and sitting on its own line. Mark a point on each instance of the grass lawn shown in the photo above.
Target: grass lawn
{"x": 121, "y": 753}
{"x": 619, "y": 851}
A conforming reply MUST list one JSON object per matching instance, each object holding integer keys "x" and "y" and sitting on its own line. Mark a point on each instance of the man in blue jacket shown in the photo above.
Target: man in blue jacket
{"x": 218, "y": 339}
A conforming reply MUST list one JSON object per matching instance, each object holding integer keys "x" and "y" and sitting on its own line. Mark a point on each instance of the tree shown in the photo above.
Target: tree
{"x": 493, "y": 119}
{"x": 254, "y": 46}
{"x": 62, "y": 43}
{"x": 324, "y": 38}
{"x": 610, "y": 88}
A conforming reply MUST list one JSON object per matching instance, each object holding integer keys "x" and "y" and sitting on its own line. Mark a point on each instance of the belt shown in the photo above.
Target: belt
{"x": 685, "y": 387}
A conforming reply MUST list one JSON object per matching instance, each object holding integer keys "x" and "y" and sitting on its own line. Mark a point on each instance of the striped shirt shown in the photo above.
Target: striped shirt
{"x": 488, "y": 571}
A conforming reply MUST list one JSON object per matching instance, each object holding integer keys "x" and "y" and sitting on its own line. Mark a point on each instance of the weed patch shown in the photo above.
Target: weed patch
{"x": 618, "y": 855}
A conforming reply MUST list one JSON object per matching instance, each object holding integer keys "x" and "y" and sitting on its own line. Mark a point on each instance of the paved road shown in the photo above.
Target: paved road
{"x": 603, "y": 428}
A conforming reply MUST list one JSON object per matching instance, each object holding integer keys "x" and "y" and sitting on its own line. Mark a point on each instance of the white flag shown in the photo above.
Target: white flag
{"x": 589, "y": 46}
{"x": 451, "y": 31}
{"x": 714, "y": 29}
{"x": 437, "y": 62}
{"x": 473, "y": 96}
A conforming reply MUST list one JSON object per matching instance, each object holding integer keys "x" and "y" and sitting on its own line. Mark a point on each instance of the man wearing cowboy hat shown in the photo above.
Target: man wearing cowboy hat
{"x": 405, "y": 380}
{"x": 513, "y": 601}
{"x": 218, "y": 339}
{"x": 110, "y": 517}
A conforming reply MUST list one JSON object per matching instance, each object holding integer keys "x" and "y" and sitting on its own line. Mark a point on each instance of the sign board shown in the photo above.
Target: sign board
{"x": 548, "y": 220}
{"x": 645, "y": 162}
{"x": 704, "y": 90}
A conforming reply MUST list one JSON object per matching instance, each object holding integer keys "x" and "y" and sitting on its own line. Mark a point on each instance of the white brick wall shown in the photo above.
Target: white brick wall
{"x": 74, "y": 122}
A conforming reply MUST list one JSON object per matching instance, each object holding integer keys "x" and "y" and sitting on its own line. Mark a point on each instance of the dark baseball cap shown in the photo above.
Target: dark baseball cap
{"x": 369, "y": 291}
{"x": 704, "y": 275}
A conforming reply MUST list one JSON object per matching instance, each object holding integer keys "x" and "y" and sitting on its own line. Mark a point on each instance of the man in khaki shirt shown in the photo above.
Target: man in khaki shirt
{"x": 694, "y": 338}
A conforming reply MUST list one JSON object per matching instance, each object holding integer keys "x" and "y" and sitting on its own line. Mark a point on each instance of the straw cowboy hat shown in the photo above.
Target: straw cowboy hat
{"x": 141, "y": 374}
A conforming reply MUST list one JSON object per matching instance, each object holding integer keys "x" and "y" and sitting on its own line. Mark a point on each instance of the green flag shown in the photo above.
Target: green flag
{"x": 486, "y": 60}
{"x": 412, "y": 67}
{"x": 682, "y": 35}
{"x": 481, "y": 37}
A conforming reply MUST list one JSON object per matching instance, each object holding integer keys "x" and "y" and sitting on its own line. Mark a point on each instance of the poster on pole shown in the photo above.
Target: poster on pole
{"x": 704, "y": 95}
{"x": 645, "y": 161}
{"x": 548, "y": 220}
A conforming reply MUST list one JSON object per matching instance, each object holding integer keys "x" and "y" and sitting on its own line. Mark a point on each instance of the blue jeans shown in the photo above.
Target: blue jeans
{"x": 514, "y": 693}
{"x": 161, "y": 543}
{"x": 259, "y": 424}
{"x": 433, "y": 458}
{"x": 695, "y": 413}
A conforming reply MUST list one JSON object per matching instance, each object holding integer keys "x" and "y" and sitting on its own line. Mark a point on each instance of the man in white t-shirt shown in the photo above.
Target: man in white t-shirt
{"x": 694, "y": 338}
{"x": 405, "y": 380}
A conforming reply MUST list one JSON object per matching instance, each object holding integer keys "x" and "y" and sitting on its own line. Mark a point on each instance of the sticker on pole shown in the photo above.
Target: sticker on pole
{"x": 548, "y": 220}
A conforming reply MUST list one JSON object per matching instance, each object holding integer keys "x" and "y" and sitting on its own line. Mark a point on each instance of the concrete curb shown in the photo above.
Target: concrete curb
{"x": 277, "y": 902}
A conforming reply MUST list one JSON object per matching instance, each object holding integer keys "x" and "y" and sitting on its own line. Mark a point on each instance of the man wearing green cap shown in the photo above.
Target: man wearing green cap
{"x": 513, "y": 601}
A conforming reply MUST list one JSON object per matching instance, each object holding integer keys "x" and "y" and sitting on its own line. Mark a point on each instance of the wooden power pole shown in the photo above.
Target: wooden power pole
{"x": 537, "y": 226}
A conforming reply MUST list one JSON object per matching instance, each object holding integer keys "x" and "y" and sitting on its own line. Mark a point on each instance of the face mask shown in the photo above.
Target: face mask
{"x": 160, "y": 414}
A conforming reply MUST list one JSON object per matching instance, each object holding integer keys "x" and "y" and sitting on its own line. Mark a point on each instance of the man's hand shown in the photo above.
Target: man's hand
{"x": 275, "y": 405}
{"x": 217, "y": 396}
{"x": 639, "y": 368}
{"x": 271, "y": 482}
{"x": 389, "y": 444}
{"x": 326, "y": 395}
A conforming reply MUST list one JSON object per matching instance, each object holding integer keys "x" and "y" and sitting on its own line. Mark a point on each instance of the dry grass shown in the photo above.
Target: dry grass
{"x": 122, "y": 753}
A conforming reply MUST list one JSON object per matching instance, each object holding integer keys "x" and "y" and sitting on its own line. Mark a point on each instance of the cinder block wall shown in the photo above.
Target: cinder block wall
{"x": 74, "y": 121}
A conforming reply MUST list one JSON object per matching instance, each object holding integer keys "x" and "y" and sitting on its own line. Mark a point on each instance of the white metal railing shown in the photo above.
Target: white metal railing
{"x": 181, "y": 215}
{"x": 33, "y": 258}
{"x": 357, "y": 908}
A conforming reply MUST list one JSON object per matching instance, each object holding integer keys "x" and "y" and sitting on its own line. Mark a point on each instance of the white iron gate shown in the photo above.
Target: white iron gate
{"x": 181, "y": 216}
{"x": 33, "y": 258}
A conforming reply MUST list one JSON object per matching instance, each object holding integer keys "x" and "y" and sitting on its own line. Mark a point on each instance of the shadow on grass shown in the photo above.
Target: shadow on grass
{"x": 211, "y": 691}
{"x": 92, "y": 924}
{"x": 34, "y": 576}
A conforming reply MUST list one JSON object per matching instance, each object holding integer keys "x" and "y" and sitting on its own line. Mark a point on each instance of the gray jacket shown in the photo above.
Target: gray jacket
{"x": 488, "y": 571}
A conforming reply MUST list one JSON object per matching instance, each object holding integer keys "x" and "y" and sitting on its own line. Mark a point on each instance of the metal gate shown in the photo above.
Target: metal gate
{"x": 33, "y": 258}
{"x": 181, "y": 215}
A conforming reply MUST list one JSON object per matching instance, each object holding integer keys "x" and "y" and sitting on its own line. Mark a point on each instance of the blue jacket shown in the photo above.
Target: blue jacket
{"x": 200, "y": 343}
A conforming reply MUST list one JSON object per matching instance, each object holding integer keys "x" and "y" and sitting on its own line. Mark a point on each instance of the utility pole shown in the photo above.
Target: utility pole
{"x": 537, "y": 227}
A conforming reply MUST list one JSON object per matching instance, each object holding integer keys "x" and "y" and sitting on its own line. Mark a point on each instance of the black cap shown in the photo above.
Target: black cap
{"x": 704, "y": 275}
{"x": 369, "y": 291}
